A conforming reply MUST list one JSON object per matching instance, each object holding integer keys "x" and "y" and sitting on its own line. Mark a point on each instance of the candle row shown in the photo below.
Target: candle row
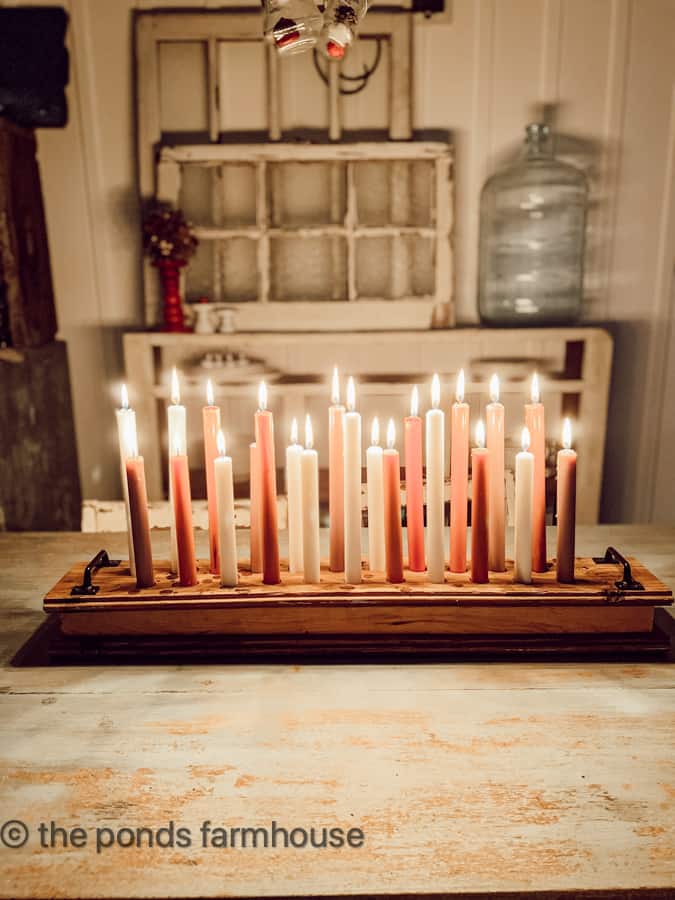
{"x": 383, "y": 493}
{"x": 488, "y": 500}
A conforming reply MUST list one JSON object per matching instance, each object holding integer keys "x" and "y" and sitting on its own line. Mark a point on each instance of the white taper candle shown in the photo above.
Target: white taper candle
{"x": 126, "y": 419}
{"x": 376, "y": 560}
{"x": 294, "y": 494}
{"x": 311, "y": 548}
{"x": 227, "y": 537}
{"x": 523, "y": 512}
{"x": 435, "y": 455}
{"x": 352, "y": 481}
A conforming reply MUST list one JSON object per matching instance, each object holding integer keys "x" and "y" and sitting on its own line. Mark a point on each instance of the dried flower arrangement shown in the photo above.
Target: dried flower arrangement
{"x": 167, "y": 235}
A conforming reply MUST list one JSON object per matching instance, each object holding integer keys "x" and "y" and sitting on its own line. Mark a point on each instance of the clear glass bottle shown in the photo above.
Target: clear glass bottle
{"x": 341, "y": 19}
{"x": 531, "y": 252}
{"x": 293, "y": 26}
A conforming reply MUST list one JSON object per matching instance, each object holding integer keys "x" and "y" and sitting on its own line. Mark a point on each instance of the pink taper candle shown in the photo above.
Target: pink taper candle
{"x": 393, "y": 541}
{"x": 254, "y": 495}
{"x": 185, "y": 537}
{"x": 211, "y": 426}
{"x": 336, "y": 489}
{"x": 480, "y": 458}
{"x": 534, "y": 421}
{"x": 566, "y": 505}
{"x": 494, "y": 414}
{"x": 414, "y": 485}
{"x": 459, "y": 478}
{"x": 269, "y": 531}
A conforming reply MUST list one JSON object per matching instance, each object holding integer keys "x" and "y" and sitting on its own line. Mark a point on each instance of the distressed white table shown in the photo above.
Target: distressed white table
{"x": 480, "y": 778}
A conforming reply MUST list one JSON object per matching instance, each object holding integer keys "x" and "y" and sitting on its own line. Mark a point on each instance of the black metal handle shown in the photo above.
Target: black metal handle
{"x": 627, "y": 583}
{"x": 100, "y": 561}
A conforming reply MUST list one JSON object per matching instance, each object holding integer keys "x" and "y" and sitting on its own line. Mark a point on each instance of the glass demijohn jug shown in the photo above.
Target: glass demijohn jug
{"x": 531, "y": 254}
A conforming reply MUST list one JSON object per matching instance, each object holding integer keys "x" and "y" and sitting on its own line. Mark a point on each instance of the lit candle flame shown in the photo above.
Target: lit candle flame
{"x": 459, "y": 391}
{"x": 209, "y": 392}
{"x": 175, "y": 387}
{"x": 435, "y": 392}
{"x": 351, "y": 394}
{"x": 262, "y": 396}
{"x": 124, "y": 397}
{"x": 294, "y": 431}
{"x": 480, "y": 434}
{"x": 375, "y": 432}
{"x": 391, "y": 434}
{"x": 335, "y": 387}
{"x": 567, "y": 434}
{"x": 130, "y": 437}
{"x": 525, "y": 439}
{"x": 494, "y": 388}
{"x": 535, "y": 393}
{"x": 414, "y": 401}
{"x": 220, "y": 442}
{"x": 309, "y": 434}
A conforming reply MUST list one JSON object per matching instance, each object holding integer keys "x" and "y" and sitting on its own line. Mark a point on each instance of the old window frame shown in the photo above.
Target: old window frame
{"x": 159, "y": 166}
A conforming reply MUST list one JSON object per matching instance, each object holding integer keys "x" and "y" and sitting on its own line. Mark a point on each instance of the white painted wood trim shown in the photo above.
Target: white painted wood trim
{"x": 661, "y": 335}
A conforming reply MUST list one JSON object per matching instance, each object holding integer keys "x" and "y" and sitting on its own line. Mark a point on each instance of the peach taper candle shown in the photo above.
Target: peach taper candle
{"x": 255, "y": 518}
{"x": 177, "y": 428}
{"x": 182, "y": 500}
{"x": 393, "y": 541}
{"x": 264, "y": 438}
{"x": 535, "y": 422}
{"x": 414, "y": 484}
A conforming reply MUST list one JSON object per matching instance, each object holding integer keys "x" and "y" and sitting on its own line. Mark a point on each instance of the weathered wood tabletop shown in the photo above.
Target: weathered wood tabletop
{"x": 464, "y": 778}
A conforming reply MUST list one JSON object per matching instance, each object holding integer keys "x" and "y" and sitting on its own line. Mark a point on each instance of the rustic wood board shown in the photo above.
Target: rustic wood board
{"x": 468, "y": 779}
{"x": 595, "y": 584}
{"x": 292, "y": 610}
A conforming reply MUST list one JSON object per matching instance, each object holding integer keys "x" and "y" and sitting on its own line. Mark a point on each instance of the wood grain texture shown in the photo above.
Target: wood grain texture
{"x": 292, "y": 609}
{"x": 24, "y": 250}
{"x": 466, "y": 778}
{"x": 39, "y": 479}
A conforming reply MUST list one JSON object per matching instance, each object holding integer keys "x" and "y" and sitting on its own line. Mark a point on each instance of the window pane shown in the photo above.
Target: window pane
{"x": 306, "y": 268}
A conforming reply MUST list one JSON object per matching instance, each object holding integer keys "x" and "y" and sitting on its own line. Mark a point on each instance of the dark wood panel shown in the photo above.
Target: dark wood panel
{"x": 24, "y": 249}
{"x": 39, "y": 480}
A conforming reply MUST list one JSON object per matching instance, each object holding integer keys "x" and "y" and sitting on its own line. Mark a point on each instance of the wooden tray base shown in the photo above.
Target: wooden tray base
{"x": 50, "y": 646}
{"x": 416, "y": 618}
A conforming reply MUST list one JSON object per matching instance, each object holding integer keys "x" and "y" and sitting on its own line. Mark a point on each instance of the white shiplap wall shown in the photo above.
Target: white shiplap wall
{"x": 606, "y": 66}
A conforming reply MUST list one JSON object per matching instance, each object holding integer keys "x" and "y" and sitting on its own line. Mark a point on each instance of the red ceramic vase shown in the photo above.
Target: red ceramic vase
{"x": 172, "y": 306}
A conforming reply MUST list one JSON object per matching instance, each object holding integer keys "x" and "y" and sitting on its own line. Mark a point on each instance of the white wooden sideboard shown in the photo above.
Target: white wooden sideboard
{"x": 574, "y": 366}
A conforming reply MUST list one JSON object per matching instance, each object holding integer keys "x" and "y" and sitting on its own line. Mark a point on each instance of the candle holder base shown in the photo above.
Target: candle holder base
{"x": 374, "y": 617}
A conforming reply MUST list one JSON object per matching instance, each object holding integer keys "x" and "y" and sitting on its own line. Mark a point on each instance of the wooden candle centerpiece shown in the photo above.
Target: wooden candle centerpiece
{"x": 600, "y": 612}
